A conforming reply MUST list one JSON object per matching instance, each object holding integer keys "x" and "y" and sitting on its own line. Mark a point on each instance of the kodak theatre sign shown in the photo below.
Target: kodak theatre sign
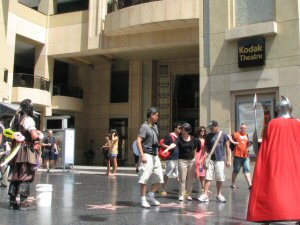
{"x": 251, "y": 52}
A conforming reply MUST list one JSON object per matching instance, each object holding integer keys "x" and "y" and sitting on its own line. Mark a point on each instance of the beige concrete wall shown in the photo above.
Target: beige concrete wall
{"x": 66, "y": 103}
{"x": 68, "y": 33}
{"x": 37, "y": 96}
{"x": 153, "y": 16}
{"x": 31, "y": 24}
{"x": 4, "y": 88}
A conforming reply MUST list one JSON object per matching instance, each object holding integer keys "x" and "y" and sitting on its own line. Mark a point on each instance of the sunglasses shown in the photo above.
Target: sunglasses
{"x": 203, "y": 130}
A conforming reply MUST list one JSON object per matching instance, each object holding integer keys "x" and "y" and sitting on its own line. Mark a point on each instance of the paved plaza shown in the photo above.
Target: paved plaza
{"x": 86, "y": 196}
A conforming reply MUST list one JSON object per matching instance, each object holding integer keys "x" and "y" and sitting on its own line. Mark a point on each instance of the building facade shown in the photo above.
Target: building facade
{"x": 103, "y": 63}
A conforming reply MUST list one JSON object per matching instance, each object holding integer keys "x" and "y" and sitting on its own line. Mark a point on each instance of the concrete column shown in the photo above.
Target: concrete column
{"x": 9, "y": 42}
{"x": 47, "y": 7}
{"x": 3, "y": 57}
{"x": 135, "y": 102}
{"x": 43, "y": 65}
{"x": 97, "y": 12}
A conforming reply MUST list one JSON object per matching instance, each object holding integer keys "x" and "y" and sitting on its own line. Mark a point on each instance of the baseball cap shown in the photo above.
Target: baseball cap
{"x": 213, "y": 123}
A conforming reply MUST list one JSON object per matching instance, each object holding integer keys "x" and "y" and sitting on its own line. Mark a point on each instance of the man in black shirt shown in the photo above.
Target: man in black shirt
{"x": 49, "y": 144}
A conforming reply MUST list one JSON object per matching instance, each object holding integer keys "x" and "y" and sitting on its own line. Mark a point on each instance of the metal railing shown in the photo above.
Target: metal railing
{"x": 31, "y": 81}
{"x": 64, "y": 90}
{"x": 114, "y": 5}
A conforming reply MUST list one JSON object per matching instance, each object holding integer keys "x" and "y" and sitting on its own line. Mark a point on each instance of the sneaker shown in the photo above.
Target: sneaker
{"x": 145, "y": 204}
{"x": 180, "y": 198}
{"x": 203, "y": 198}
{"x": 153, "y": 201}
{"x": 221, "y": 198}
{"x": 189, "y": 198}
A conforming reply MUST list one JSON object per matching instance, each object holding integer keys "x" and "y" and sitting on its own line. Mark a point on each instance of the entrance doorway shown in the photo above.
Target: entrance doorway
{"x": 185, "y": 103}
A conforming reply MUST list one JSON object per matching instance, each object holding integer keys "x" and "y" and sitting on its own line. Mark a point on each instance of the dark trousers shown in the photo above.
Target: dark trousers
{"x": 15, "y": 187}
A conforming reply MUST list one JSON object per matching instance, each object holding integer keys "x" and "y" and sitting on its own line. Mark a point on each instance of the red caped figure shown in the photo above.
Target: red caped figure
{"x": 275, "y": 194}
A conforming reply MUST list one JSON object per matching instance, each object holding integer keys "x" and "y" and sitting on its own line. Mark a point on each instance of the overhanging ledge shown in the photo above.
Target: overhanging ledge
{"x": 257, "y": 29}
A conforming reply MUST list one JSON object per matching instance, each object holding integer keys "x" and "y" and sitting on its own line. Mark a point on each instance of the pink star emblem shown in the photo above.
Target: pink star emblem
{"x": 107, "y": 206}
{"x": 172, "y": 205}
{"x": 197, "y": 215}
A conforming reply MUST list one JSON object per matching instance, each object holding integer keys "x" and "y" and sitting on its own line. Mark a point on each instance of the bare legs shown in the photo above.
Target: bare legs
{"x": 49, "y": 164}
{"x": 108, "y": 167}
{"x": 115, "y": 163}
{"x": 202, "y": 182}
{"x": 247, "y": 176}
{"x": 115, "y": 166}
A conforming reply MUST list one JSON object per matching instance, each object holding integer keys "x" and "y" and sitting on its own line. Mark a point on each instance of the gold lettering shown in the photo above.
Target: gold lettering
{"x": 251, "y": 49}
{"x": 251, "y": 57}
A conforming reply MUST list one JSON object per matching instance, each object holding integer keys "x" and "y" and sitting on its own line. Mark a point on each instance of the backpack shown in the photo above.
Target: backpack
{"x": 135, "y": 148}
{"x": 161, "y": 154}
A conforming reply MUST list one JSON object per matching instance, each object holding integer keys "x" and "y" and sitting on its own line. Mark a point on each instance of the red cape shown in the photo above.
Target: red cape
{"x": 275, "y": 194}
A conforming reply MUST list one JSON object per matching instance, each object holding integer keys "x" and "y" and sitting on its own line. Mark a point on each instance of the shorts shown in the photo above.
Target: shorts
{"x": 48, "y": 154}
{"x": 216, "y": 169}
{"x": 152, "y": 167}
{"x": 114, "y": 155}
{"x": 171, "y": 168}
{"x": 239, "y": 162}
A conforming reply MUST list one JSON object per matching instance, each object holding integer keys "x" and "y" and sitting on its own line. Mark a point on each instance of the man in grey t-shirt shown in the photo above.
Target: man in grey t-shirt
{"x": 147, "y": 143}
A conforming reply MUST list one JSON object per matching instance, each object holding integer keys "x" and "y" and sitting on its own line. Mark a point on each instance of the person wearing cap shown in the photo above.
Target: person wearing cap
{"x": 217, "y": 163}
{"x": 148, "y": 142}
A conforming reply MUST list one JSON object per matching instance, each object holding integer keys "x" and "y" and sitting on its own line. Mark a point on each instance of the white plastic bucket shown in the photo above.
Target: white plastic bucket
{"x": 43, "y": 195}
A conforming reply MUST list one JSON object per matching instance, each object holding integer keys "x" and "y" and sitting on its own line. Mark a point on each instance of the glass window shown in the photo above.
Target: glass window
{"x": 119, "y": 86}
{"x": 265, "y": 111}
{"x": 253, "y": 11}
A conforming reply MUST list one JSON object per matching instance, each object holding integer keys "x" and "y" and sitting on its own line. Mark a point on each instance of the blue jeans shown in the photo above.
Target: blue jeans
{"x": 239, "y": 162}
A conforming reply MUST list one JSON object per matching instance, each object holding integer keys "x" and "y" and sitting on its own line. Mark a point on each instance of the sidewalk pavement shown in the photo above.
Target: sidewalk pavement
{"x": 85, "y": 196}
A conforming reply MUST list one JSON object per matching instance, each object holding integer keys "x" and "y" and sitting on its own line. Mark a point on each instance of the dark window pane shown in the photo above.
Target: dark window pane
{"x": 119, "y": 86}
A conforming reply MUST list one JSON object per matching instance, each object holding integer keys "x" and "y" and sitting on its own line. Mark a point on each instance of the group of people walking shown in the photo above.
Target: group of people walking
{"x": 187, "y": 158}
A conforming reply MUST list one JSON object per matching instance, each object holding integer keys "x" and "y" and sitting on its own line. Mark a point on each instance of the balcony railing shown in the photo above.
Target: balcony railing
{"x": 31, "y": 81}
{"x": 62, "y": 90}
{"x": 114, "y": 5}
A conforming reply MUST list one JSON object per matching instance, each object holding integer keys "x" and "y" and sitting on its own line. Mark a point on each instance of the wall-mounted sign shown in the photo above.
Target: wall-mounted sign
{"x": 251, "y": 52}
